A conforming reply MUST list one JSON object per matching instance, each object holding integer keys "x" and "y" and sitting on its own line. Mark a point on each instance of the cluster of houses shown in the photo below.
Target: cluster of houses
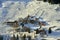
{"x": 29, "y": 27}
{"x": 29, "y": 22}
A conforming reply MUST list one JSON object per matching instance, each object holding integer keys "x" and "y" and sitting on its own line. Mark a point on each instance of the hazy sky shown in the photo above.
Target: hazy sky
{"x": 12, "y": 0}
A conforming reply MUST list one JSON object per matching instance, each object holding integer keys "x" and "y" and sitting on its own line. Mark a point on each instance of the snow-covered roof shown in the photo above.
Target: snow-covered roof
{"x": 32, "y": 26}
{"x": 32, "y": 18}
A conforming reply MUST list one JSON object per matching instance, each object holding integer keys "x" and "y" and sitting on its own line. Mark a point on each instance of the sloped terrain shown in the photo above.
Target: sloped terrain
{"x": 11, "y": 11}
{"x": 15, "y": 10}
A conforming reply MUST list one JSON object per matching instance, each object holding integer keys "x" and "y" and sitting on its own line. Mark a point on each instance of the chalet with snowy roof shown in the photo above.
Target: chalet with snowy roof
{"x": 13, "y": 24}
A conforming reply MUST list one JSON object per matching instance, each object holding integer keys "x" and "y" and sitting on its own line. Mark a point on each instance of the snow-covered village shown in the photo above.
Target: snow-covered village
{"x": 29, "y": 19}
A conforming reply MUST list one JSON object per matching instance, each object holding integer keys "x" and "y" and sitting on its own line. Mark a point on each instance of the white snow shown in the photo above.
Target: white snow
{"x": 15, "y": 10}
{"x": 11, "y": 11}
{"x": 32, "y": 26}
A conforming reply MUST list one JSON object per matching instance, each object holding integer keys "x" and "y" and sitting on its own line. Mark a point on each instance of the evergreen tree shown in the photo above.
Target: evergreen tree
{"x": 29, "y": 37}
{"x": 49, "y": 31}
{"x": 49, "y": 1}
{"x": 24, "y": 37}
{"x": 13, "y": 38}
{"x": 45, "y": 0}
{"x": 17, "y": 38}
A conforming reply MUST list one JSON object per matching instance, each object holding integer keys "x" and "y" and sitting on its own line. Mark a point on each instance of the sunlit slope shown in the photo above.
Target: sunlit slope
{"x": 43, "y": 9}
{"x": 15, "y": 10}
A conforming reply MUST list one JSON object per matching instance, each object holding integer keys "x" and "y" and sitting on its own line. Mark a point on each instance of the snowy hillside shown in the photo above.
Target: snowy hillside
{"x": 14, "y": 10}
{"x": 11, "y": 11}
{"x": 44, "y": 9}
